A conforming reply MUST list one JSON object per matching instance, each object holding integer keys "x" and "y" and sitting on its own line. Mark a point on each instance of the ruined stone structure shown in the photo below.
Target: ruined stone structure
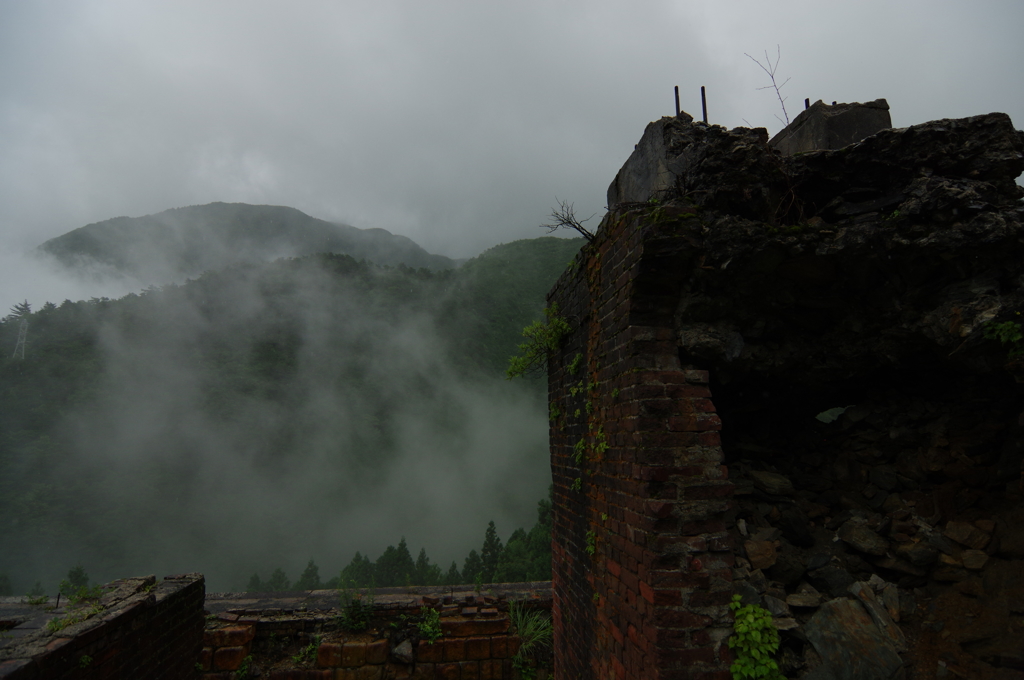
{"x": 731, "y": 295}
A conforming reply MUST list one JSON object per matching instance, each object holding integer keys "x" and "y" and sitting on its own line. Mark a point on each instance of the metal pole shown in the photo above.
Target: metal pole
{"x": 677, "y": 100}
{"x": 807, "y": 104}
{"x": 704, "y": 103}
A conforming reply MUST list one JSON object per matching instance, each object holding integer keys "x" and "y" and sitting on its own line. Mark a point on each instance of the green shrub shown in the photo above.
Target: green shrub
{"x": 754, "y": 641}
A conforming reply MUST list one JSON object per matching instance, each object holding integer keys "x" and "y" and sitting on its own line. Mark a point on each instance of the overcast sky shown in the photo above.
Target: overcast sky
{"x": 454, "y": 123}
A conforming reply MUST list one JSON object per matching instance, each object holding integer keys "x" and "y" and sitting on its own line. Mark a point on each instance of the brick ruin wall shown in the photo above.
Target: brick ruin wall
{"x": 145, "y": 629}
{"x": 642, "y": 564}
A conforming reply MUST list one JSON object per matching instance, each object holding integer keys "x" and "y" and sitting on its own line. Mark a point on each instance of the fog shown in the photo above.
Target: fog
{"x": 356, "y": 427}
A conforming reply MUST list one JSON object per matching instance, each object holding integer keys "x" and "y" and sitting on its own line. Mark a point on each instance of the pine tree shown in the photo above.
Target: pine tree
{"x": 490, "y": 554}
{"x": 358, "y": 574}
{"x": 453, "y": 577}
{"x": 278, "y": 581}
{"x": 472, "y": 568}
{"x": 255, "y": 585}
{"x": 310, "y": 579}
{"x": 395, "y": 567}
{"x": 20, "y": 310}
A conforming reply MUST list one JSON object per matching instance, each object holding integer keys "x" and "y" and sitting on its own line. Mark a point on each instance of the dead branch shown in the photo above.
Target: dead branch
{"x": 563, "y": 217}
{"x": 770, "y": 69}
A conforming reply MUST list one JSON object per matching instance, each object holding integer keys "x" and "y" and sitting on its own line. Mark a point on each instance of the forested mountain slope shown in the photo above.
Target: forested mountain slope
{"x": 184, "y": 242}
{"x": 266, "y": 413}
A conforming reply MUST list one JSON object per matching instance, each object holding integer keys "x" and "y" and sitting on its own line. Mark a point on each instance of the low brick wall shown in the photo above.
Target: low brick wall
{"x": 299, "y": 636}
{"x": 139, "y": 628}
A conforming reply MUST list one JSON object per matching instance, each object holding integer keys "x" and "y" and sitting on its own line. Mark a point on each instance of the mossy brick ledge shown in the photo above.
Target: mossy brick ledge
{"x": 143, "y": 628}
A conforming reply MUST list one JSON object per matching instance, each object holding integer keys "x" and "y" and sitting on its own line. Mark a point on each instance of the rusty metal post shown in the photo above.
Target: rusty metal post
{"x": 807, "y": 104}
{"x": 704, "y": 103}
{"x": 677, "y": 100}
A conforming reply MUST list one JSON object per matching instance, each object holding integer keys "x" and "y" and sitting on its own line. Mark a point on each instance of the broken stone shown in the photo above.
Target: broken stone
{"x": 785, "y": 624}
{"x": 950, "y": 574}
{"x": 758, "y": 580}
{"x": 966, "y": 534}
{"x": 849, "y": 643}
{"x": 974, "y": 559}
{"x": 891, "y": 601}
{"x": 402, "y": 652}
{"x": 788, "y": 568}
{"x": 902, "y": 566}
{"x": 832, "y": 579}
{"x": 760, "y": 553}
{"x": 972, "y": 586}
{"x": 772, "y": 483}
{"x": 859, "y": 537}
{"x": 803, "y": 599}
{"x": 884, "y": 477}
{"x": 776, "y": 606}
{"x": 918, "y": 553}
{"x": 863, "y": 592}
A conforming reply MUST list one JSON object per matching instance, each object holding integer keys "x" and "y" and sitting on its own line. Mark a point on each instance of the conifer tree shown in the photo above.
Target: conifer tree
{"x": 490, "y": 554}
{"x": 472, "y": 567}
{"x": 310, "y": 579}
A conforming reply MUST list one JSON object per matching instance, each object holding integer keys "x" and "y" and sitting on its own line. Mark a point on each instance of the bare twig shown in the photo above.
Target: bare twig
{"x": 563, "y": 217}
{"x": 770, "y": 69}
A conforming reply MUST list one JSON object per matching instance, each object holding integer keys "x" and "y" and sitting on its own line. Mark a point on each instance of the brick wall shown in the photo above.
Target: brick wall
{"x": 271, "y": 635}
{"x": 145, "y": 629}
{"x": 642, "y": 561}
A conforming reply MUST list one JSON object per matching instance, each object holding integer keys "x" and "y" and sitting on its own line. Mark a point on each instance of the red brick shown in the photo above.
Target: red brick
{"x": 228, "y": 636}
{"x": 229, "y": 658}
{"x": 478, "y": 648}
{"x": 328, "y": 654}
{"x": 377, "y": 652}
{"x": 205, "y": 659}
{"x": 460, "y": 627}
{"x": 429, "y": 653}
{"x": 454, "y": 649}
{"x": 499, "y": 647}
{"x": 469, "y": 670}
{"x": 353, "y": 654}
{"x": 447, "y": 671}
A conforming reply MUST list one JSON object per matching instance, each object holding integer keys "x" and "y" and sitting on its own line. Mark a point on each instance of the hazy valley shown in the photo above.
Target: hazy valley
{"x": 266, "y": 411}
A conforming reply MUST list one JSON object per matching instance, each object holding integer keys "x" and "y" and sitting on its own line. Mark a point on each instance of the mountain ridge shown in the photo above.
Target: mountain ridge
{"x": 186, "y": 241}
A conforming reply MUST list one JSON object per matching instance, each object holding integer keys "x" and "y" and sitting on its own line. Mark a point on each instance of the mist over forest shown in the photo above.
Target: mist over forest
{"x": 267, "y": 413}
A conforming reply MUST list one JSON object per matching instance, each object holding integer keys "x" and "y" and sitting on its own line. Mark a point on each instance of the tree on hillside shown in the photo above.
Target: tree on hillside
{"x": 310, "y": 579}
{"x": 427, "y": 574}
{"x": 20, "y": 310}
{"x": 395, "y": 566}
{"x": 453, "y": 577}
{"x": 358, "y": 573}
{"x": 472, "y": 568}
{"x": 278, "y": 581}
{"x": 490, "y": 554}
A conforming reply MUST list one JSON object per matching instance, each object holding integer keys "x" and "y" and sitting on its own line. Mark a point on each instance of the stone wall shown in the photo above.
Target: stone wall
{"x": 138, "y": 628}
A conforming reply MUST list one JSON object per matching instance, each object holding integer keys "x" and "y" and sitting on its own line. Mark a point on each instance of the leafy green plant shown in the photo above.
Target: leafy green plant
{"x": 245, "y": 670}
{"x": 1007, "y": 333}
{"x": 355, "y": 614}
{"x": 577, "y": 484}
{"x": 308, "y": 653}
{"x": 534, "y": 631}
{"x": 574, "y": 365}
{"x": 430, "y": 625}
{"x": 41, "y": 599}
{"x": 543, "y": 339}
{"x": 754, "y": 641}
{"x": 591, "y": 543}
{"x": 84, "y": 661}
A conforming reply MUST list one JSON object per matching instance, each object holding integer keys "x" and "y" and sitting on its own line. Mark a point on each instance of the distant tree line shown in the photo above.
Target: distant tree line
{"x": 526, "y": 557}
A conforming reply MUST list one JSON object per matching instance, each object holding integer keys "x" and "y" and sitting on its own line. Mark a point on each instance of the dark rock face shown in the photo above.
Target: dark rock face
{"x": 832, "y": 127}
{"x": 856, "y": 285}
